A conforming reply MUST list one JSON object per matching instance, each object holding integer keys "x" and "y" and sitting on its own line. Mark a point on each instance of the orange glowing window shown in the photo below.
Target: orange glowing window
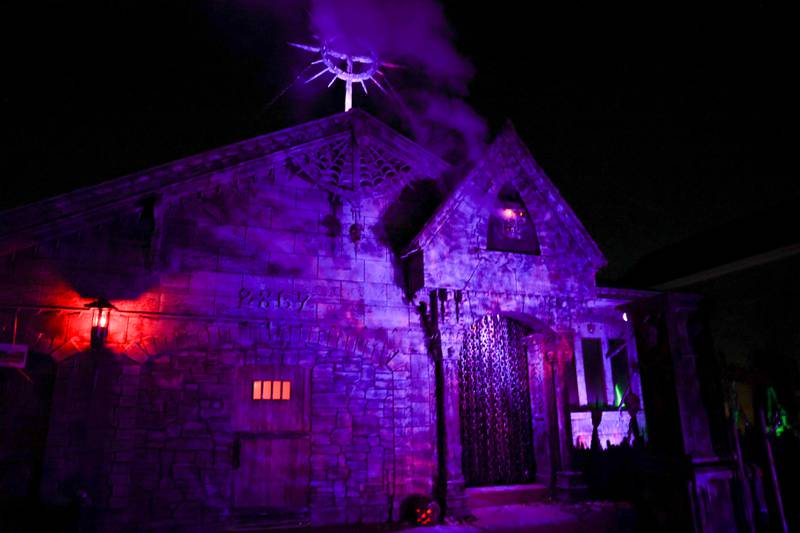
{"x": 276, "y": 390}
{"x": 272, "y": 390}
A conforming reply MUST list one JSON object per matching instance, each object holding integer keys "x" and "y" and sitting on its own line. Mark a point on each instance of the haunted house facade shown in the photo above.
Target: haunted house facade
{"x": 306, "y": 326}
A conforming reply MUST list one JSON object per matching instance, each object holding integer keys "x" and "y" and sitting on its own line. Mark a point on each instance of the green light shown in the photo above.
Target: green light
{"x": 617, "y": 396}
{"x": 775, "y": 411}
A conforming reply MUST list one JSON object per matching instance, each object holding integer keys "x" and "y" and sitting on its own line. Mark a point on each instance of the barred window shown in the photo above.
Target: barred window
{"x": 268, "y": 389}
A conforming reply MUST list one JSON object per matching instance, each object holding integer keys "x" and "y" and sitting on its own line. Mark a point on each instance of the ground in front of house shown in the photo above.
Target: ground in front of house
{"x": 607, "y": 517}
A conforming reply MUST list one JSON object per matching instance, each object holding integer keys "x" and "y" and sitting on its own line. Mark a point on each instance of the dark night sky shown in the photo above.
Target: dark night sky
{"x": 654, "y": 125}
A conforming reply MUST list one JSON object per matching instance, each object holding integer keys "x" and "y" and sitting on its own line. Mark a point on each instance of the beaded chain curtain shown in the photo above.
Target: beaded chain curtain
{"x": 496, "y": 433}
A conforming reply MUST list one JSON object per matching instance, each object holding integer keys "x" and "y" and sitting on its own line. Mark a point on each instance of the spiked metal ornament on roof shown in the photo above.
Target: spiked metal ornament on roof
{"x": 350, "y": 68}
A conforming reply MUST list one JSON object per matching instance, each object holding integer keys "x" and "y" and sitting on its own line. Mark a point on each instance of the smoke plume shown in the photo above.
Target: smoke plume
{"x": 433, "y": 81}
{"x": 427, "y": 91}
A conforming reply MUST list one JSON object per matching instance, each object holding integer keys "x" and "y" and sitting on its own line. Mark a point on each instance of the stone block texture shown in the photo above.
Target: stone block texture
{"x": 272, "y": 260}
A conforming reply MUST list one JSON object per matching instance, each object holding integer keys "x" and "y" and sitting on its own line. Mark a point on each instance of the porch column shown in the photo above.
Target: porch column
{"x": 563, "y": 354}
{"x": 450, "y": 426}
{"x": 671, "y": 343}
{"x": 549, "y": 355}
{"x": 540, "y": 379}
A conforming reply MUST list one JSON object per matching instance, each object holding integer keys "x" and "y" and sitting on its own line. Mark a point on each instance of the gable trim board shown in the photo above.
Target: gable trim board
{"x": 67, "y": 213}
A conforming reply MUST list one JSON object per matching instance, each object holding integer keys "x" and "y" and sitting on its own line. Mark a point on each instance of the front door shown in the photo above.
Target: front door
{"x": 271, "y": 474}
{"x": 496, "y": 432}
{"x": 270, "y": 477}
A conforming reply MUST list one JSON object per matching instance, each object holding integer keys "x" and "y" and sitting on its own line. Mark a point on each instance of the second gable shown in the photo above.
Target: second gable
{"x": 506, "y": 226}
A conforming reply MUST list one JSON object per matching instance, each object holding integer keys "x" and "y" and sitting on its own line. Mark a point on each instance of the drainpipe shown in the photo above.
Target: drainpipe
{"x": 430, "y": 324}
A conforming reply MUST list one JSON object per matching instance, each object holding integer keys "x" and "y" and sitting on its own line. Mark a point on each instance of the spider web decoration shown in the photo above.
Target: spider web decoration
{"x": 332, "y": 167}
{"x": 332, "y": 163}
{"x": 350, "y": 68}
{"x": 377, "y": 165}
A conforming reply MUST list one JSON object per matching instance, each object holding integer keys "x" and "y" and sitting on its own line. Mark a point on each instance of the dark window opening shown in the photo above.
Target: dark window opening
{"x": 593, "y": 371}
{"x": 571, "y": 376}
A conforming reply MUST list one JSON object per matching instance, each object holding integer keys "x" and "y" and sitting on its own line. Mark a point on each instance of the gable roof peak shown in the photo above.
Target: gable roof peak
{"x": 509, "y": 148}
{"x": 52, "y": 217}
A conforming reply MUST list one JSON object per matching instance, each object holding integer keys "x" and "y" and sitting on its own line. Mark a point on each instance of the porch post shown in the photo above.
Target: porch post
{"x": 563, "y": 356}
{"x": 450, "y": 426}
{"x": 549, "y": 355}
{"x": 539, "y": 377}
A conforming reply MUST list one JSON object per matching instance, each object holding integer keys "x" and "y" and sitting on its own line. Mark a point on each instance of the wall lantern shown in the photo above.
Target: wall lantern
{"x": 101, "y": 314}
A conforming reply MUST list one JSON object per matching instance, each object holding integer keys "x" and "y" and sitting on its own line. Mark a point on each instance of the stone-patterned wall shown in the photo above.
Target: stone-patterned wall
{"x": 25, "y": 406}
{"x": 265, "y": 269}
{"x": 90, "y": 443}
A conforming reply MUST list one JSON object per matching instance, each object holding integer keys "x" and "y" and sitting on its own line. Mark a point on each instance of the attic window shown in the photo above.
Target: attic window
{"x": 510, "y": 226}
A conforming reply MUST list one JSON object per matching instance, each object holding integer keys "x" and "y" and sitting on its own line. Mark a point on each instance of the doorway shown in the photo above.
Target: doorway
{"x": 494, "y": 404}
{"x": 272, "y": 445}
